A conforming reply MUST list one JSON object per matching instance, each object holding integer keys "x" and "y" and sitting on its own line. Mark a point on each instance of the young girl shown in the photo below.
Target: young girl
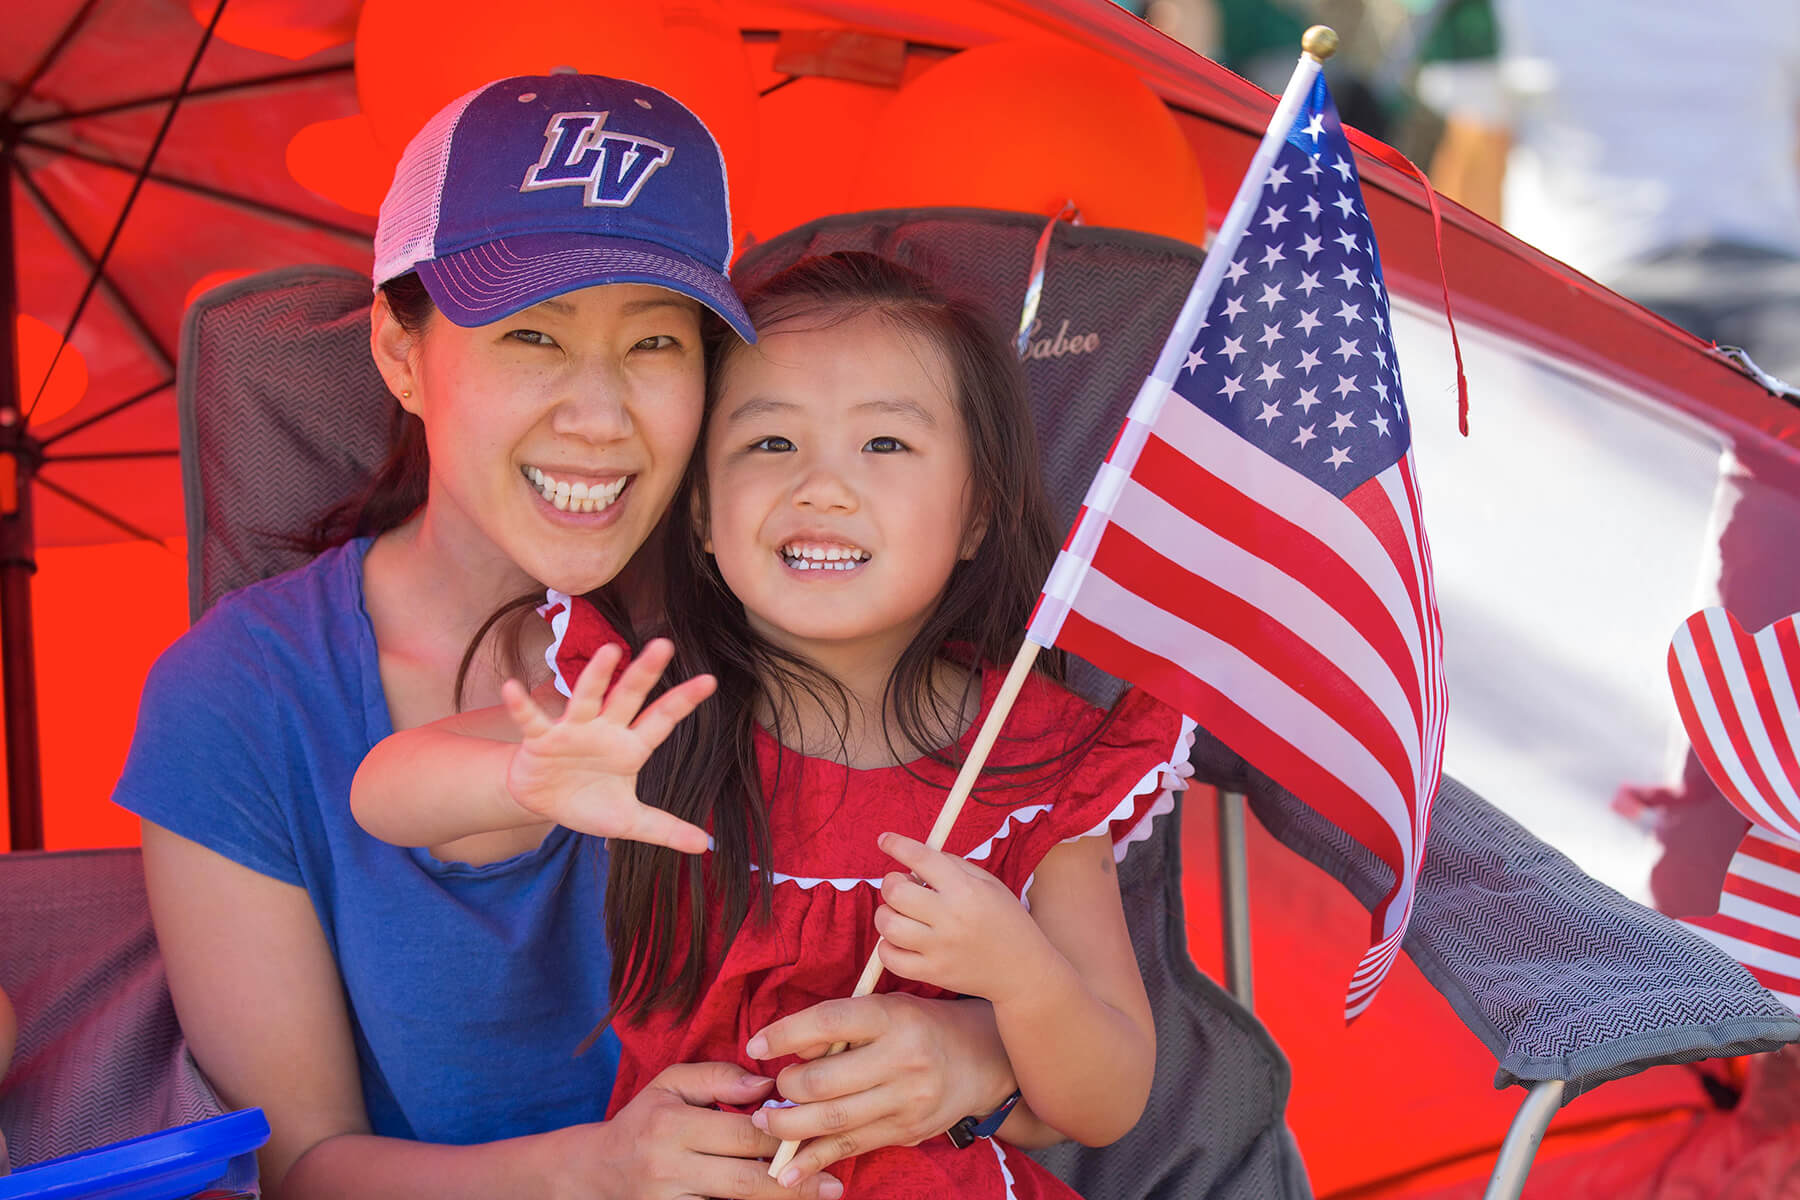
{"x": 868, "y": 533}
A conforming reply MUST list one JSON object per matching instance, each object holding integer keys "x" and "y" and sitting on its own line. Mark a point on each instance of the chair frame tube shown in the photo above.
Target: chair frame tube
{"x": 1522, "y": 1139}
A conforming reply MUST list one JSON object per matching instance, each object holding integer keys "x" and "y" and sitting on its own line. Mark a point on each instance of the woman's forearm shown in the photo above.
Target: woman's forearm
{"x": 356, "y": 1165}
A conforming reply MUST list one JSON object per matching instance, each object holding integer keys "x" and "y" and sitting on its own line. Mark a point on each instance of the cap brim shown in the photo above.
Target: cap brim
{"x": 493, "y": 281}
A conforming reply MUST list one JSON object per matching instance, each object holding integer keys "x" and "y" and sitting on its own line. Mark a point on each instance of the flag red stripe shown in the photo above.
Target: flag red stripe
{"x": 1727, "y": 703}
{"x": 1761, "y": 893}
{"x": 1285, "y": 654}
{"x": 1434, "y": 627}
{"x": 1749, "y": 931}
{"x": 1750, "y": 656}
{"x": 1283, "y": 762}
{"x": 1690, "y": 693}
{"x": 1371, "y": 504}
{"x": 1767, "y": 849}
{"x": 1775, "y": 981}
{"x": 1295, "y": 551}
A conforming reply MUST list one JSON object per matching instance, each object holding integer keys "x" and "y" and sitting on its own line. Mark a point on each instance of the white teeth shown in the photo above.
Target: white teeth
{"x": 575, "y": 496}
{"x": 818, "y": 558}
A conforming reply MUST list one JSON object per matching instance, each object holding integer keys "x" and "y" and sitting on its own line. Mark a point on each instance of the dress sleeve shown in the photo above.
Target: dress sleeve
{"x": 577, "y": 631}
{"x": 1125, "y": 780}
{"x": 206, "y": 762}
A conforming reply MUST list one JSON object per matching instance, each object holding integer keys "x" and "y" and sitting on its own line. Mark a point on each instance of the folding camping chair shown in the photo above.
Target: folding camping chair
{"x": 1568, "y": 983}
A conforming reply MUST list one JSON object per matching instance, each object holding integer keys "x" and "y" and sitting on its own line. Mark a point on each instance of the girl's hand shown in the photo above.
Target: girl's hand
{"x": 580, "y": 770}
{"x": 953, "y": 925}
{"x": 914, "y": 1068}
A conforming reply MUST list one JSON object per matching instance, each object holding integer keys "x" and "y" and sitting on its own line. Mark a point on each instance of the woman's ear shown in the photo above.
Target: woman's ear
{"x": 393, "y": 348}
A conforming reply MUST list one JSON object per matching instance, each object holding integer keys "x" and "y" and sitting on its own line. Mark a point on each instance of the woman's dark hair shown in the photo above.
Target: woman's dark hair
{"x": 707, "y": 771}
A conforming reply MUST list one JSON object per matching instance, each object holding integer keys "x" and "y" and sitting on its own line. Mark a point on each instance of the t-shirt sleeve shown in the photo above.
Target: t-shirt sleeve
{"x": 1127, "y": 778}
{"x": 206, "y": 756}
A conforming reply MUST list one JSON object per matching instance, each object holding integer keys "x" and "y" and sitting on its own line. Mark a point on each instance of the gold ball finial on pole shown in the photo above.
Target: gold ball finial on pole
{"x": 1321, "y": 41}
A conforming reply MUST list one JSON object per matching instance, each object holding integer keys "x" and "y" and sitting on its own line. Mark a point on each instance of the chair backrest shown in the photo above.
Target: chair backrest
{"x": 99, "y": 1058}
{"x": 282, "y": 414}
{"x": 1215, "y": 1127}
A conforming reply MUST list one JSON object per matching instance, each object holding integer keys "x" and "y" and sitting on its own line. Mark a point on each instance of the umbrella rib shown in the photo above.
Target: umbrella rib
{"x": 111, "y": 519}
{"x": 203, "y": 93}
{"x": 50, "y": 56}
{"x": 121, "y": 406}
{"x": 73, "y": 244}
{"x": 111, "y": 456}
{"x": 137, "y": 185}
{"x": 260, "y": 207}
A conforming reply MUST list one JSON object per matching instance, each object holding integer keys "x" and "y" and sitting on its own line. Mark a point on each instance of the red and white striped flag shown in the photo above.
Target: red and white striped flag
{"x": 1739, "y": 698}
{"x": 1253, "y": 550}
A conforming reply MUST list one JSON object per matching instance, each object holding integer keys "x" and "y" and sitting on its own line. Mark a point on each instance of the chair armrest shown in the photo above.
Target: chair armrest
{"x": 1561, "y": 976}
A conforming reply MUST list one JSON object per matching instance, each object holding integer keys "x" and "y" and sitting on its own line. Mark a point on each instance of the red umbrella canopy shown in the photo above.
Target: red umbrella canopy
{"x": 146, "y": 154}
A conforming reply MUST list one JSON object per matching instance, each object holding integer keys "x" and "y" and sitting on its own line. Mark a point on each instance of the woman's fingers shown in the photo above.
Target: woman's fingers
{"x": 810, "y": 1032}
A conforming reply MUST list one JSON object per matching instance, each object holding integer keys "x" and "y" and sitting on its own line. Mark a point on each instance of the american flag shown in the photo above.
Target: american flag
{"x": 1253, "y": 550}
{"x": 1739, "y": 698}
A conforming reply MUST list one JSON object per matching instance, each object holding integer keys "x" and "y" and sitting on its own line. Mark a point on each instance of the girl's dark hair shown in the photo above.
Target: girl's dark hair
{"x": 398, "y": 486}
{"x": 707, "y": 771}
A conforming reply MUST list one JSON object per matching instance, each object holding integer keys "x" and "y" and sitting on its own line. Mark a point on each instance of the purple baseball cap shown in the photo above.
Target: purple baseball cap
{"x": 540, "y": 184}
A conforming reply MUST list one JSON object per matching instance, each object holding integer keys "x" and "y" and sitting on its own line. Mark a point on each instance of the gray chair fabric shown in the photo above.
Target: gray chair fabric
{"x": 99, "y": 1058}
{"x": 295, "y": 416}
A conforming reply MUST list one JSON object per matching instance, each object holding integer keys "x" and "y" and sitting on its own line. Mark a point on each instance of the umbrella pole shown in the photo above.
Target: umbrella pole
{"x": 18, "y": 559}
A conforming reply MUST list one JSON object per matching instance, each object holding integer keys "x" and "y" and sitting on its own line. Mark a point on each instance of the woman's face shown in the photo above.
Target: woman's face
{"x": 558, "y": 436}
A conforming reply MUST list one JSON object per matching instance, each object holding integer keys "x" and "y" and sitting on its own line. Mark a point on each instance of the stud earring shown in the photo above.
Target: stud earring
{"x": 406, "y": 394}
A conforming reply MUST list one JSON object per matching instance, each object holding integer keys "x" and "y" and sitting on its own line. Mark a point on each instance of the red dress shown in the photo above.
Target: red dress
{"x": 827, "y": 874}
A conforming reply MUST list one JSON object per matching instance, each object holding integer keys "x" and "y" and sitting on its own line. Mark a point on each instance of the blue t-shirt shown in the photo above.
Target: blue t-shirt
{"x": 468, "y": 987}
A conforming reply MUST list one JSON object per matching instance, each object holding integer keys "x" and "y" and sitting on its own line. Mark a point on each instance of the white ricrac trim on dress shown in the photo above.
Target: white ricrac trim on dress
{"x": 1005, "y": 1171}
{"x": 559, "y": 628}
{"x": 1165, "y": 778}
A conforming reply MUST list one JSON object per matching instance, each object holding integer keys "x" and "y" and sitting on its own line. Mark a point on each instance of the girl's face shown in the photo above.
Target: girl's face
{"x": 557, "y": 436}
{"x": 838, "y": 484}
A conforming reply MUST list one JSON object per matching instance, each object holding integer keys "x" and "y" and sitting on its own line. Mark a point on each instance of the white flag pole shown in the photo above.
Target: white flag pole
{"x": 1320, "y": 43}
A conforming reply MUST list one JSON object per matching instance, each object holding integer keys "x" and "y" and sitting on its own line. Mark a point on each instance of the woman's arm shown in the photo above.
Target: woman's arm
{"x": 1068, "y": 1000}
{"x": 516, "y": 766}
{"x": 262, "y": 1007}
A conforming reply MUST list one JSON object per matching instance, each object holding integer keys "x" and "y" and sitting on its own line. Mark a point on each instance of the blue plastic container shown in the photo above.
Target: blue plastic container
{"x": 159, "y": 1166}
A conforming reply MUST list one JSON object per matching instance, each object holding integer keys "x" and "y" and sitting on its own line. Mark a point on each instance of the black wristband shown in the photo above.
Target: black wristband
{"x": 964, "y": 1132}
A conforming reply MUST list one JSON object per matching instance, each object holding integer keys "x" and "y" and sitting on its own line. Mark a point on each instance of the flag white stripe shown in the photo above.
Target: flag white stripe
{"x": 1792, "y": 846}
{"x": 1155, "y": 522}
{"x": 1294, "y": 498}
{"x": 1718, "y": 624}
{"x": 1265, "y": 698}
{"x": 1712, "y": 720}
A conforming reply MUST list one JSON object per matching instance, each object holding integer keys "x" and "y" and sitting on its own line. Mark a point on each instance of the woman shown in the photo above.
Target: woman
{"x": 404, "y": 1016}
